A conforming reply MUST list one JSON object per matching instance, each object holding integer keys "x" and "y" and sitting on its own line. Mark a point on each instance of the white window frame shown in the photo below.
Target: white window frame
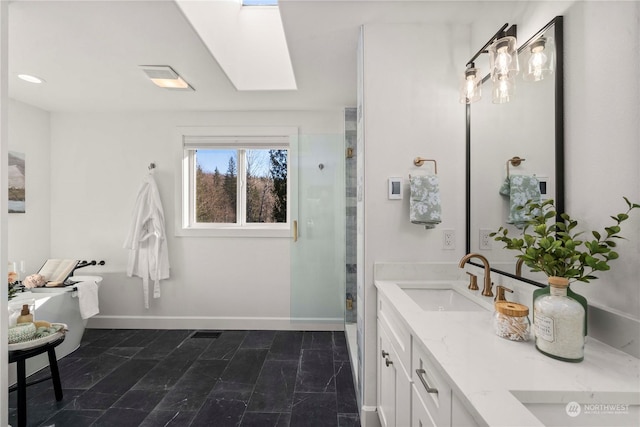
{"x": 243, "y": 138}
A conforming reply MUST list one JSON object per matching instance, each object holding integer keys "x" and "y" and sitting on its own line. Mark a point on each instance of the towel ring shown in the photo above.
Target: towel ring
{"x": 419, "y": 161}
{"x": 515, "y": 161}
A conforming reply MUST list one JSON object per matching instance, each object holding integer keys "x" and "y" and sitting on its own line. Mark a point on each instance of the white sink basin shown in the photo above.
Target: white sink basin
{"x": 582, "y": 409}
{"x": 441, "y": 300}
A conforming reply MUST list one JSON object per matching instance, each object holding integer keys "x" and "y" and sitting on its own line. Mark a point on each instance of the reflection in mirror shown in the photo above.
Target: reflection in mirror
{"x": 528, "y": 127}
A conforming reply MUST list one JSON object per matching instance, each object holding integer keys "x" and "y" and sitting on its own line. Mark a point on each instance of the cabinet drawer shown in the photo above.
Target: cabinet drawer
{"x": 420, "y": 416}
{"x": 431, "y": 387}
{"x": 398, "y": 334}
{"x": 460, "y": 417}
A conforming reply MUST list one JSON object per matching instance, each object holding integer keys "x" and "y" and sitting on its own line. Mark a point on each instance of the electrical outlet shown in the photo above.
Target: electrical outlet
{"x": 485, "y": 239}
{"x": 448, "y": 239}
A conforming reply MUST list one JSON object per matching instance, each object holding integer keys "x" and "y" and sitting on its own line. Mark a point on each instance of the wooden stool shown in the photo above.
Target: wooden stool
{"x": 20, "y": 357}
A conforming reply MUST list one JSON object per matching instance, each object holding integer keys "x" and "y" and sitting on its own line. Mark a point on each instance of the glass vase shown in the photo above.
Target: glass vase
{"x": 571, "y": 294}
{"x": 559, "y": 323}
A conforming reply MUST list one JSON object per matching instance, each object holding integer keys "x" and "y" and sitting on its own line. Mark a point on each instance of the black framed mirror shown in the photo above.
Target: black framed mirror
{"x": 530, "y": 127}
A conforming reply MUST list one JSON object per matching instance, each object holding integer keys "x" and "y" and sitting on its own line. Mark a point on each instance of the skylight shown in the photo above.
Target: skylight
{"x": 248, "y": 42}
{"x": 259, "y": 2}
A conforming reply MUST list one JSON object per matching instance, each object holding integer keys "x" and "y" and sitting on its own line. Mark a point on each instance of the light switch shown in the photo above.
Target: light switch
{"x": 395, "y": 188}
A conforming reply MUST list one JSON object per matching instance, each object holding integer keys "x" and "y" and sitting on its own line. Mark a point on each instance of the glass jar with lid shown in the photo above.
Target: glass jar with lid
{"x": 511, "y": 321}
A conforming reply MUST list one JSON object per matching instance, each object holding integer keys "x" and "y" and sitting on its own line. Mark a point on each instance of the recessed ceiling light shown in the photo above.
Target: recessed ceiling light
{"x": 31, "y": 79}
{"x": 165, "y": 77}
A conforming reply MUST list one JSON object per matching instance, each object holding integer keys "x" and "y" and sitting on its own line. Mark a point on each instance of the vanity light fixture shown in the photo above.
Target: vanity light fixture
{"x": 502, "y": 89}
{"x": 503, "y": 56}
{"x": 470, "y": 88}
{"x": 31, "y": 79}
{"x": 165, "y": 77}
{"x": 503, "y": 60}
{"x": 539, "y": 59}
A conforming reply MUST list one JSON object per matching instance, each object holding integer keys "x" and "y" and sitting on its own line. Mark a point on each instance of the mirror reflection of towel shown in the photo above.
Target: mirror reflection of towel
{"x": 520, "y": 189}
{"x": 424, "y": 203}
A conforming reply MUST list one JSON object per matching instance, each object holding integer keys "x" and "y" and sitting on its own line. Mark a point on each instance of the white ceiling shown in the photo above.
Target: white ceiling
{"x": 89, "y": 52}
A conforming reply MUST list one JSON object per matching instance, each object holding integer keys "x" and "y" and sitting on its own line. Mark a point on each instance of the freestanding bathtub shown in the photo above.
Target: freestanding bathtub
{"x": 56, "y": 305}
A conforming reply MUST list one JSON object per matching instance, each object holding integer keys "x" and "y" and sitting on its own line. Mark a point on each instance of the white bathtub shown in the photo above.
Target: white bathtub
{"x": 56, "y": 305}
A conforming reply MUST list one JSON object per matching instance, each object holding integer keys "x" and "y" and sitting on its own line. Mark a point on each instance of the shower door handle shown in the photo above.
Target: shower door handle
{"x": 295, "y": 231}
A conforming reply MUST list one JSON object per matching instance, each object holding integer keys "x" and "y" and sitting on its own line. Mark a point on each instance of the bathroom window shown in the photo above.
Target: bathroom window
{"x": 236, "y": 185}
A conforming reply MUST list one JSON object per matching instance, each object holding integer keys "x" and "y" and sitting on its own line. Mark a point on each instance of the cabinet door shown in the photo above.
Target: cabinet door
{"x": 403, "y": 396}
{"x": 394, "y": 385}
{"x": 386, "y": 381}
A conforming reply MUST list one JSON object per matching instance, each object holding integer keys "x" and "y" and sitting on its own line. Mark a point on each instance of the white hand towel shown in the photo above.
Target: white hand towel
{"x": 88, "y": 298}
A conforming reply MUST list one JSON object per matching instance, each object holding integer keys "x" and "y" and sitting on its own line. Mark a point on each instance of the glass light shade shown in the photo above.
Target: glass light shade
{"x": 470, "y": 88}
{"x": 503, "y": 58}
{"x": 539, "y": 59}
{"x": 502, "y": 90}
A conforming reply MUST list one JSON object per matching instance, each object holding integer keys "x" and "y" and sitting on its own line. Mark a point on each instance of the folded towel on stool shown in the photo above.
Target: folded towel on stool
{"x": 424, "y": 203}
{"x": 520, "y": 189}
{"x": 88, "y": 298}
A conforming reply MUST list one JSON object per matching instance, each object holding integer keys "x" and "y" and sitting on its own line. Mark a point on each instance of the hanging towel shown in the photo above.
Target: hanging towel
{"x": 147, "y": 240}
{"x": 88, "y": 298}
{"x": 424, "y": 203}
{"x": 520, "y": 189}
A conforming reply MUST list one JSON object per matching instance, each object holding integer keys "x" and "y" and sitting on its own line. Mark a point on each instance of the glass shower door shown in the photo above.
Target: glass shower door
{"x": 318, "y": 212}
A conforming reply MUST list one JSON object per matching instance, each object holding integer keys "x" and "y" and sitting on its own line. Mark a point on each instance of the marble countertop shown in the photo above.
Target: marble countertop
{"x": 483, "y": 369}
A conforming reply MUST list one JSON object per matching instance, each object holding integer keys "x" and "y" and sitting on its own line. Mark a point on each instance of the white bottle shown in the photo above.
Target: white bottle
{"x": 558, "y": 323}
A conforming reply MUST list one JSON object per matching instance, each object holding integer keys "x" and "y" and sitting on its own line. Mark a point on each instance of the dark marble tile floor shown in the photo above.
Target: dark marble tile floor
{"x": 147, "y": 378}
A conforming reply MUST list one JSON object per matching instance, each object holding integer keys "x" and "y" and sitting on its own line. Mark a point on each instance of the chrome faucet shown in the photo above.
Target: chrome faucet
{"x": 487, "y": 271}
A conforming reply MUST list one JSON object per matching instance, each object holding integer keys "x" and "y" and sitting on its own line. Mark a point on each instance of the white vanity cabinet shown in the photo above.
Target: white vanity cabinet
{"x": 394, "y": 381}
{"x": 412, "y": 391}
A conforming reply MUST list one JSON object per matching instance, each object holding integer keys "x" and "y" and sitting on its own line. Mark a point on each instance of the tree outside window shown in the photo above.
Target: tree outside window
{"x": 260, "y": 196}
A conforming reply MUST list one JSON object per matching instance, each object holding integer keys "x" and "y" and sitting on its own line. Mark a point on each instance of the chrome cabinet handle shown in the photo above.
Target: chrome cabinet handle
{"x": 384, "y": 353}
{"x": 422, "y": 374}
{"x": 388, "y": 362}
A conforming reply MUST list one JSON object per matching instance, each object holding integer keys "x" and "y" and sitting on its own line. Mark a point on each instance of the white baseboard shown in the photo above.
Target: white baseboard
{"x": 369, "y": 416}
{"x": 221, "y": 323}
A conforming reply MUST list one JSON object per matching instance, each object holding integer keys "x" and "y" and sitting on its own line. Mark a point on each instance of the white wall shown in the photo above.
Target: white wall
{"x": 602, "y": 95}
{"x": 410, "y": 109}
{"x": 4, "y": 205}
{"x": 97, "y": 164}
{"x": 29, "y": 233}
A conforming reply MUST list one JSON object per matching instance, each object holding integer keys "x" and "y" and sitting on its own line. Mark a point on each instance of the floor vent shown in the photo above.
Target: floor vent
{"x": 205, "y": 334}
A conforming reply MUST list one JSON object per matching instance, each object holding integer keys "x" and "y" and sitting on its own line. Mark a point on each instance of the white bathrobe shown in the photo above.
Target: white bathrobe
{"x": 147, "y": 240}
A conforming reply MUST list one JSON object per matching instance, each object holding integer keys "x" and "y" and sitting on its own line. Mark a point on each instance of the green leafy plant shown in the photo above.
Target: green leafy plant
{"x": 557, "y": 249}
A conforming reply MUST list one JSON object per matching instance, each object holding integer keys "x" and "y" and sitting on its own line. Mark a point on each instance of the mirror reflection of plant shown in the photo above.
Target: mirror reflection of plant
{"x": 557, "y": 249}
